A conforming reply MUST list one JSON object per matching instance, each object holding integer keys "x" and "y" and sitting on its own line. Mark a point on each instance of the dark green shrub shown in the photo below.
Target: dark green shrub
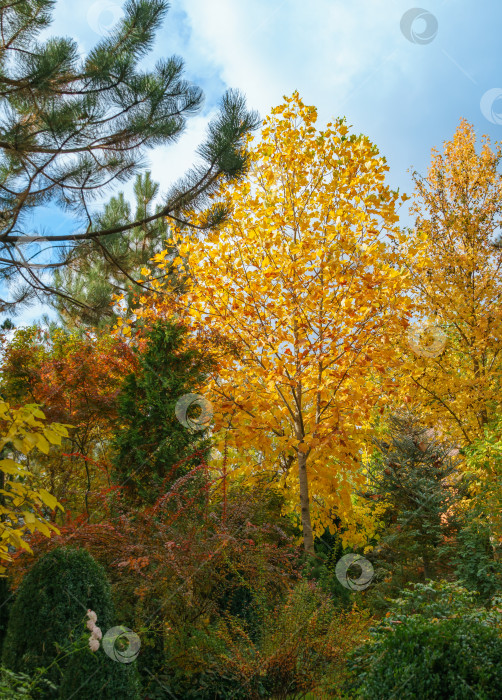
{"x": 435, "y": 644}
{"x": 475, "y": 563}
{"x": 92, "y": 675}
{"x": 49, "y": 611}
{"x": 422, "y": 659}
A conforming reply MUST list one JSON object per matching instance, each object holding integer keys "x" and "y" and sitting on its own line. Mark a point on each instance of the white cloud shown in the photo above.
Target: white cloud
{"x": 324, "y": 48}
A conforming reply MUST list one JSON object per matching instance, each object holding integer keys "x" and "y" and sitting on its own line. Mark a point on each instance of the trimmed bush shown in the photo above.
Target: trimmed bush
{"x": 435, "y": 644}
{"x": 447, "y": 659}
{"x": 91, "y": 675}
{"x": 48, "y": 614}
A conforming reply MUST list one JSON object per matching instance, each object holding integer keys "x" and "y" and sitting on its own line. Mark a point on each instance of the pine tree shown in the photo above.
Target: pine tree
{"x": 416, "y": 477}
{"x": 153, "y": 448}
{"x": 112, "y": 265}
{"x": 72, "y": 127}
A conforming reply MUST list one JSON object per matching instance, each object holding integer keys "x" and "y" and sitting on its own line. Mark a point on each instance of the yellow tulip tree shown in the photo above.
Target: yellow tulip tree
{"x": 21, "y": 431}
{"x": 302, "y": 281}
{"x": 456, "y": 276}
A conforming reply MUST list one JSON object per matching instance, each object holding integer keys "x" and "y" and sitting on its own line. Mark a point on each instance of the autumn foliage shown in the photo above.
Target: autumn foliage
{"x": 455, "y": 272}
{"x": 304, "y": 280}
{"x": 350, "y": 373}
{"x": 24, "y": 509}
{"x": 75, "y": 377}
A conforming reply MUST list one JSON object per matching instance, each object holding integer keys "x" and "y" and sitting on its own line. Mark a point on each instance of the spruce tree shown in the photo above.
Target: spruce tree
{"x": 153, "y": 449}
{"x": 416, "y": 477}
{"x": 72, "y": 127}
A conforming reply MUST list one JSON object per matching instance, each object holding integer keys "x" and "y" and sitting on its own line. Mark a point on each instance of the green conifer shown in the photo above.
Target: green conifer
{"x": 112, "y": 265}
{"x": 72, "y": 127}
{"x": 416, "y": 476}
{"x": 153, "y": 449}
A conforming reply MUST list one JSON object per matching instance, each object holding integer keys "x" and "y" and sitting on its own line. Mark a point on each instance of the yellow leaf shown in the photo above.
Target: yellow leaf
{"x": 9, "y": 466}
{"x": 42, "y": 444}
{"x": 42, "y": 527}
{"x": 49, "y": 500}
{"x": 52, "y": 436}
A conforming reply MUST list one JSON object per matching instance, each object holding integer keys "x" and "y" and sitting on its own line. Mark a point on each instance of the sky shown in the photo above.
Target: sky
{"x": 403, "y": 75}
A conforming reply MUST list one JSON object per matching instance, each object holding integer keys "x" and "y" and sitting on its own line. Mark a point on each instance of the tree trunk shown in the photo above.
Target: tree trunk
{"x": 308, "y": 538}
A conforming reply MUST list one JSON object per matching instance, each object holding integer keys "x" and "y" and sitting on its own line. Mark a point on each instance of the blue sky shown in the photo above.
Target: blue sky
{"x": 404, "y": 82}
